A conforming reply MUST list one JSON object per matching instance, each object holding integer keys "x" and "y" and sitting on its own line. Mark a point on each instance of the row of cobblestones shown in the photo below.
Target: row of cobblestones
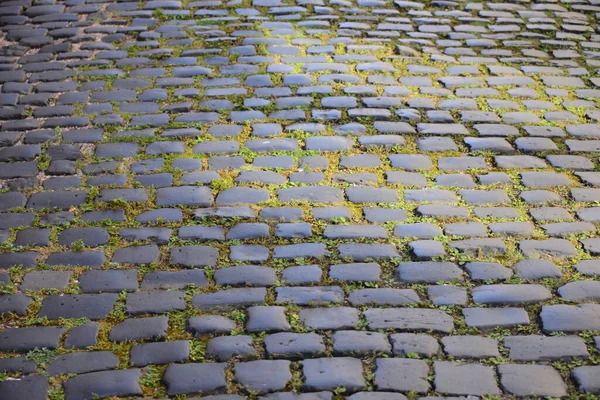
{"x": 299, "y": 199}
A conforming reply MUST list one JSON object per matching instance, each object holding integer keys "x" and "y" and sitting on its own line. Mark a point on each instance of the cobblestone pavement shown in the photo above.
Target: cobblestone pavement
{"x": 299, "y": 200}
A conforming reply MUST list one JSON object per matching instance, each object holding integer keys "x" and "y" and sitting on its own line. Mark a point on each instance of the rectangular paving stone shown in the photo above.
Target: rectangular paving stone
{"x": 22, "y": 340}
{"x": 92, "y": 306}
{"x": 104, "y": 384}
{"x": 538, "y": 348}
{"x": 154, "y": 302}
{"x": 195, "y": 378}
{"x": 412, "y": 319}
{"x": 488, "y": 318}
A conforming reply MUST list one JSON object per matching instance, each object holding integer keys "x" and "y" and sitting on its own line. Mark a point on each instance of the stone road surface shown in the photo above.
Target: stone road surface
{"x": 299, "y": 199}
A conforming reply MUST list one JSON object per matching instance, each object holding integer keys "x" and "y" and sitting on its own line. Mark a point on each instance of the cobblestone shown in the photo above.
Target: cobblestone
{"x": 299, "y": 200}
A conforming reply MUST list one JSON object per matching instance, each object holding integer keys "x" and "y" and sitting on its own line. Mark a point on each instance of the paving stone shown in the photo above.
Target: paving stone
{"x": 82, "y": 362}
{"x": 229, "y": 298}
{"x": 567, "y": 318}
{"x": 539, "y": 348}
{"x": 364, "y": 252}
{"x": 194, "y": 256}
{"x": 329, "y": 373}
{"x": 377, "y": 395}
{"x": 322, "y": 194}
{"x": 25, "y": 339}
{"x": 580, "y": 291}
{"x": 26, "y": 259}
{"x": 104, "y": 384}
{"x": 364, "y": 194}
{"x": 159, "y": 353}
{"x": 329, "y": 318}
{"x": 447, "y": 295}
{"x": 357, "y": 343}
{"x": 301, "y": 274}
{"x": 251, "y": 253}
{"x": 137, "y": 255}
{"x": 489, "y": 318}
{"x": 294, "y": 345}
{"x": 302, "y": 250}
{"x": 383, "y": 296}
{"x": 194, "y": 378}
{"x": 108, "y": 281}
{"x": 184, "y": 195}
{"x": 82, "y": 336}
{"x": 92, "y": 306}
{"x": 174, "y": 279}
{"x": 18, "y": 364}
{"x": 457, "y": 378}
{"x": 267, "y": 318}
{"x": 528, "y": 380}
{"x": 14, "y": 303}
{"x": 223, "y": 348}
{"x": 510, "y": 294}
{"x": 536, "y": 269}
{"x": 37, "y": 280}
{"x": 264, "y": 375}
{"x": 470, "y": 347}
{"x": 29, "y": 387}
{"x": 56, "y": 199}
{"x": 355, "y": 272}
{"x": 154, "y": 302}
{"x": 428, "y": 272}
{"x": 588, "y": 267}
{"x": 405, "y": 344}
{"x": 409, "y": 319}
{"x": 403, "y": 375}
{"x": 139, "y": 328}
{"x": 92, "y": 259}
{"x": 548, "y": 247}
{"x": 480, "y": 246}
{"x": 587, "y": 378}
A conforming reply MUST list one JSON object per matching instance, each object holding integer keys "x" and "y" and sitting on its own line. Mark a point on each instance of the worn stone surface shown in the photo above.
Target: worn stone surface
{"x": 299, "y": 199}
{"x": 402, "y": 375}
{"x": 457, "y": 378}
{"x": 531, "y": 380}
{"x": 538, "y": 348}
{"x": 329, "y": 373}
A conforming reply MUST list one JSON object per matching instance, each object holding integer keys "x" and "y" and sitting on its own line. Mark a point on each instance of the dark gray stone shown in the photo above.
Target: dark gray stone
{"x": 402, "y": 375}
{"x": 544, "y": 348}
{"x": 92, "y": 306}
{"x": 82, "y": 336}
{"x": 264, "y": 375}
{"x": 230, "y": 298}
{"x": 139, "y": 328}
{"x": 330, "y": 373}
{"x": 330, "y": 318}
{"x": 108, "y": 281}
{"x": 159, "y": 353}
{"x": 82, "y": 362}
{"x": 104, "y": 384}
{"x": 411, "y": 319}
{"x": 25, "y": 339}
{"x": 360, "y": 343}
{"x": 33, "y": 387}
{"x": 209, "y": 325}
{"x": 224, "y": 348}
{"x": 456, "y": 378}
{"x": 294, "y": 345}
{"x": 203, "y": 378}
{"x": 154, "y": 302}
{"x": 531, "y": 380}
